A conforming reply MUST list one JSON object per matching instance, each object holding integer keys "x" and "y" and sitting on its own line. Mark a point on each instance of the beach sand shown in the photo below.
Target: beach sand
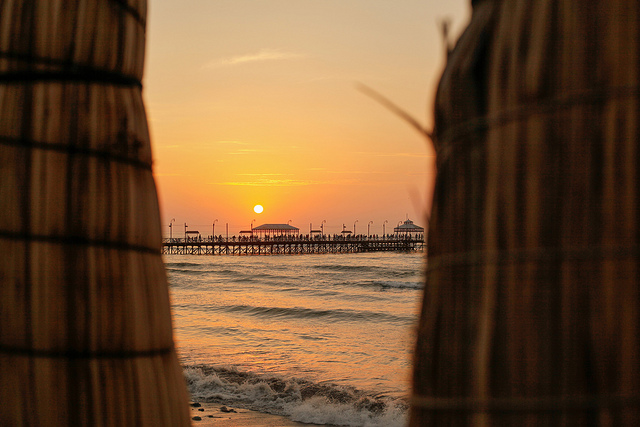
{"x": 210, "y": 414}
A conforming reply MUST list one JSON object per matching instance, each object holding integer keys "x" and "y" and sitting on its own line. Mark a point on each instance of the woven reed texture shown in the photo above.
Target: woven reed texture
{"x": 85, "y": 323}
{"x": 531, "y": 311}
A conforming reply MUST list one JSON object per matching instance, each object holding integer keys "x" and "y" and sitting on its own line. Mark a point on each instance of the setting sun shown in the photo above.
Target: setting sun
{"x": 258, "y": 209}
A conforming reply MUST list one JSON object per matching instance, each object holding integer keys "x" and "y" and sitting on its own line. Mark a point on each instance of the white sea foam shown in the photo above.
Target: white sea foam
{"x": 299, "y": 400}
{"x": 319, "y": 410}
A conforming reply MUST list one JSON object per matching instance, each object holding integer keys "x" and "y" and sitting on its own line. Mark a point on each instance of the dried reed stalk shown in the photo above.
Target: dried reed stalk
{"x": 531, "y": 312}
{"x": 85, "y": 323}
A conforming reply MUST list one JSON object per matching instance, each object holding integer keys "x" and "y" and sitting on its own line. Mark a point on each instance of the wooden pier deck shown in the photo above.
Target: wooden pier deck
{"x": 289, "y": 246}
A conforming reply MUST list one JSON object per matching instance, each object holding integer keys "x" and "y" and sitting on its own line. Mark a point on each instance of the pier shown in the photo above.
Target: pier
{"x": 291, "y": 245}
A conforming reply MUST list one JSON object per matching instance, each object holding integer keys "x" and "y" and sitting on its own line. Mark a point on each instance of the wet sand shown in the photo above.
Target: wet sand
{"x": 211, "y": 414}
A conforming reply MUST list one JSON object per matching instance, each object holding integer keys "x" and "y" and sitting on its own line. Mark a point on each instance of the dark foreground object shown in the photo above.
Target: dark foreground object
{"x": 531, "y": 312}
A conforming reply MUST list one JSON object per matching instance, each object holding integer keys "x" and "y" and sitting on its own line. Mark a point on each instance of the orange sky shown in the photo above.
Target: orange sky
{"x": 255, "y": 102}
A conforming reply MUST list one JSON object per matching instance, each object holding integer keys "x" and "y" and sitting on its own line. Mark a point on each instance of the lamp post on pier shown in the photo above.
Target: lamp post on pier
{"x": 171, "y": 228}
{"x": 322, "y": 226}
{"x": 383, "y": 233}
{"x": 369, "y": 228}
{"x": 185, "y": 231}
{"x": 213, "y": 236}
{"x": 354, "y": 228}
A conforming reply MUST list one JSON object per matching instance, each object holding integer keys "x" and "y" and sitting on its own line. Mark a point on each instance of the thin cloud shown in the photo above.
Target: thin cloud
{"x": 382, "y": 154}
{"x": 243, "y": 151}
{"x": 417, "y": 155}
{"x": 354, "y": 172}
{"x": 261, "y": 56}
{"x": 266, "y": 182}
{"x": 270, "y": 182}
{"x": 264, "y": 174}
{"x": 232, "y": 142}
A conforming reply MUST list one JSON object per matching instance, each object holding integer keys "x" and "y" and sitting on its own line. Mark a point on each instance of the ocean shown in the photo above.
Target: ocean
{"x": 325, "y": 339}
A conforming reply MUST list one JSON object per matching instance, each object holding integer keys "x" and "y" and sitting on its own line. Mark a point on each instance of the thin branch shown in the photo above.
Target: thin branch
{"x": 397, "y": 111}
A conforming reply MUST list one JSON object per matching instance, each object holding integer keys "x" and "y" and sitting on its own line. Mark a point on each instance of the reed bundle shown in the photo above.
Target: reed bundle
{"x": 85, "y": 322}
{"x": 531, "y": 311}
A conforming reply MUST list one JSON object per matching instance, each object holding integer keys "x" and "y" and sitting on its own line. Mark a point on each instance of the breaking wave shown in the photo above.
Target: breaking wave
{"x": 298, "y": 399}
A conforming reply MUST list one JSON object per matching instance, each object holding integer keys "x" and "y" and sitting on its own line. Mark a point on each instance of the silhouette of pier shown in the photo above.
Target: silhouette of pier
{"x": 292, "y": 245}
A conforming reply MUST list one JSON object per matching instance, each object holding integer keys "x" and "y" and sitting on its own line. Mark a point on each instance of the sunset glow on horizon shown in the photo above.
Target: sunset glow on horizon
{"x": 251, "y": 101}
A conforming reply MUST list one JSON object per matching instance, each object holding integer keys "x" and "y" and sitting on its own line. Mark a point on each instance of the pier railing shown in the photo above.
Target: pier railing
{"x": 290, "y": 245}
